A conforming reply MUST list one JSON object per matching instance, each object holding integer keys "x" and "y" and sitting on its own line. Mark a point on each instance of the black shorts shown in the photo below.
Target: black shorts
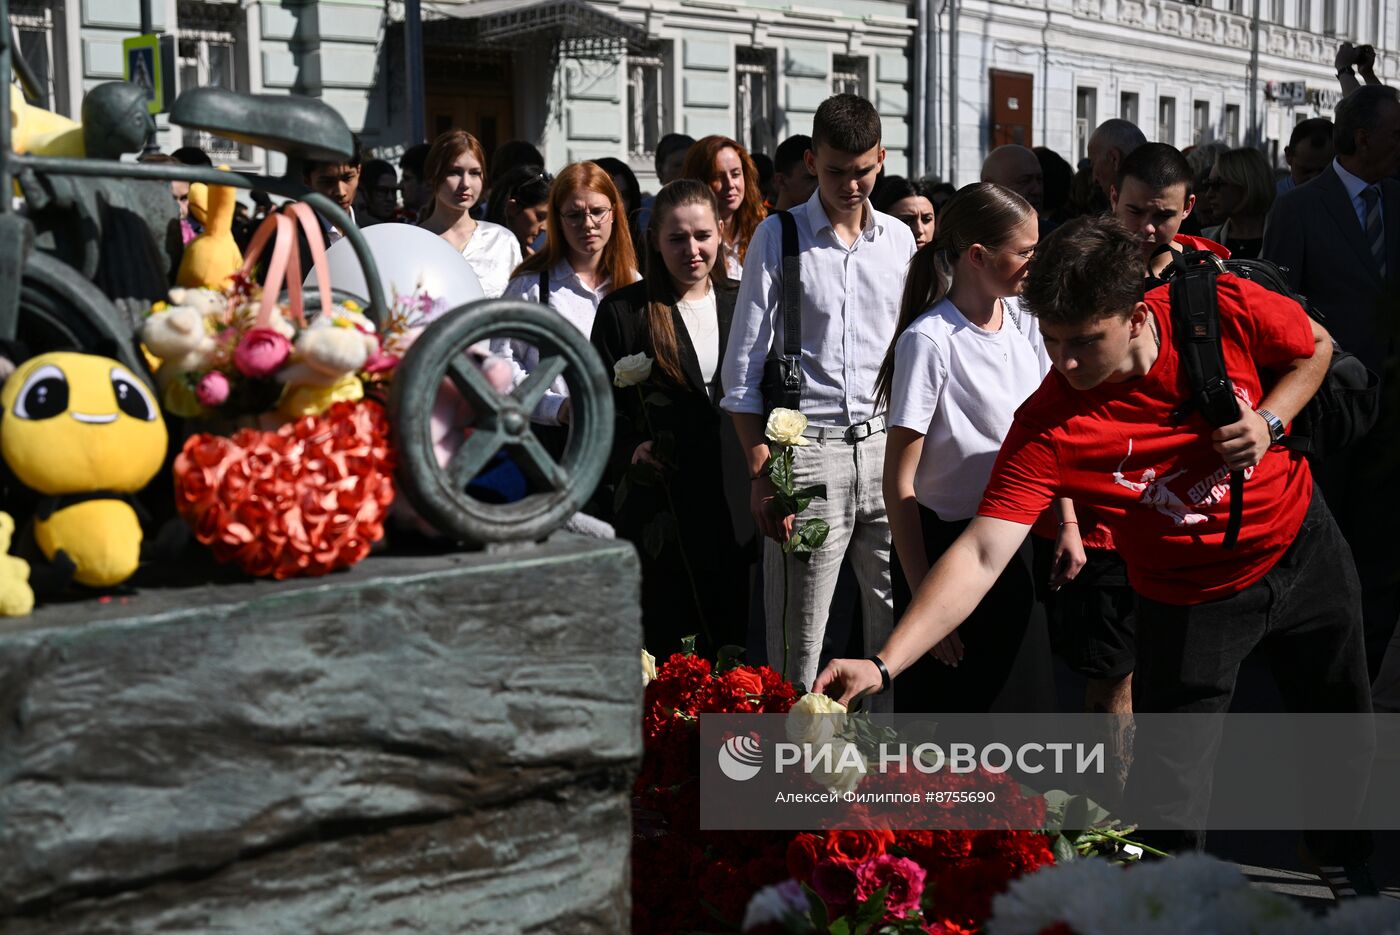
{"x": 1093, "y": 623}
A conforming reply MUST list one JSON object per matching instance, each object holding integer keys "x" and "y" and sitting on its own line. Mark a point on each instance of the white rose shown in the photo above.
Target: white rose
{"x": 785, "y": 427}
{"x": 631, "y": 370}
{"x": 648, "y": 668}
{"x": 847, "y": 768}
{"x": 815, "y": 719}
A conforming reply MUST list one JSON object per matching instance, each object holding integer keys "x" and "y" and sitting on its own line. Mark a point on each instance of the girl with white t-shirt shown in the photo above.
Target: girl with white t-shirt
{"x": 456, "y": 167}
{"x": 964, "y": 357}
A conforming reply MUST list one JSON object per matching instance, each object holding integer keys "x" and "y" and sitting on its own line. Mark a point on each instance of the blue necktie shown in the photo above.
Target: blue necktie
{"x": 1375, "y": 229}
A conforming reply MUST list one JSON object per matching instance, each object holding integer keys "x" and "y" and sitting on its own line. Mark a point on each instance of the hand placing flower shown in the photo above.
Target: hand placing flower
{"x": 815, "y": 719}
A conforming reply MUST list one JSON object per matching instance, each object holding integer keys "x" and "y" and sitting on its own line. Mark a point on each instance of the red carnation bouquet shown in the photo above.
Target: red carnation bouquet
{"x": 868, "y": 879}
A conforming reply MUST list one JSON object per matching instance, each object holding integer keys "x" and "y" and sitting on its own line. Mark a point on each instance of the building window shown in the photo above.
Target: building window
{"x": 1305, "y": 14}
{"x": 648, "y": 117}
{"x": 1200, "y": 122}
{"x": 1330, "y": 25}
{"x": 848, "y": 75}
{"x": 1232, "y": 124}
{"x": 1166, "y": 120}
{"x": 756, "y": 100}
{"x": 1236, "y": 6}
{"x": 209, "y": 56}
{"x": 1276, "y": 11}
{"x": 33, "y": 25}
{"x": 1128, "y": 107}
{"x": 1085, "y": 105}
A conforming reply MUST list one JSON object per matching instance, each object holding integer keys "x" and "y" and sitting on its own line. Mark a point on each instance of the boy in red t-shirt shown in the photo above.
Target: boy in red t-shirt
{"x": 1112, "y": 429}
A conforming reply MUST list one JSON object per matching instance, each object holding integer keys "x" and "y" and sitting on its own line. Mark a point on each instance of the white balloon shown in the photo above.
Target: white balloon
{"x": 409, "y": 259}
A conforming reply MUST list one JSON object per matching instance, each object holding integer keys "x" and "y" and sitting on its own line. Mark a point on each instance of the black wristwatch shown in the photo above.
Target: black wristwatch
{"x": 884, "y": 674}
{"x": 1275, "y": 425}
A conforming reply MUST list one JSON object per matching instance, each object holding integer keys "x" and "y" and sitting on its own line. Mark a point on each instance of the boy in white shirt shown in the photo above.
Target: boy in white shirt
{"x": 853, "y": 261}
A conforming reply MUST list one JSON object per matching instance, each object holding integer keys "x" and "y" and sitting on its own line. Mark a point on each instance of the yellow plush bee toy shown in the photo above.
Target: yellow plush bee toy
{"x": 86, "y": 433}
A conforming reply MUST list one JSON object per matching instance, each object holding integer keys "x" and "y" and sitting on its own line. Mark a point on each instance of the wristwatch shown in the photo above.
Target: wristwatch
{"x": 1275, "y": 425}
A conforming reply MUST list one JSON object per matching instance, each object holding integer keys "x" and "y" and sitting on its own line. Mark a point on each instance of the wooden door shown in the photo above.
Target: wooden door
{"x": 1012, "y": 94}
{"x": 489, "y": 118}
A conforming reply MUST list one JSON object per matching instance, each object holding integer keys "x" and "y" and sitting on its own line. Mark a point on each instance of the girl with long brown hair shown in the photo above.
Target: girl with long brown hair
{"x": 588, "y": 253}
{"x": 679, "y": 316}
{"x": 456, "y": 168}
{"x": 725, "y": 166}
{"x": 964, "y": 357}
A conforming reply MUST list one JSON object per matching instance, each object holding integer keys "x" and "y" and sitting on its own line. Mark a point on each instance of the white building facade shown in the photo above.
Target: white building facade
{"x": 1046, "y": 72}
{"x": 579, "y": 78}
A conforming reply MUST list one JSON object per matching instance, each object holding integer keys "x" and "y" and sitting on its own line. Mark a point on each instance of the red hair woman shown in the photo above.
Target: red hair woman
{"x": 725, "y": 166}
{"x": 588, "y": 253}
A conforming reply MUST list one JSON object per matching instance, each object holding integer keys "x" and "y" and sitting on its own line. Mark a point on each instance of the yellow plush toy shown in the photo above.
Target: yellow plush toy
{"x": 85, "y": 432}
{"x": 41, "y": 132}
{"x": 212, "y": 257}
{"x": 16, "y": 597}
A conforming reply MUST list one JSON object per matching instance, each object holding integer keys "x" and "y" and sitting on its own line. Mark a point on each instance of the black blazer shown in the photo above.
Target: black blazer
{"x": 710, "y": 469}
{"x": 1314, "y": 235}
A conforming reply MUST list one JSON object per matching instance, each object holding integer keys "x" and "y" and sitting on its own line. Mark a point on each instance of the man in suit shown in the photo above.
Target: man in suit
{"x": 1337, "y": 239}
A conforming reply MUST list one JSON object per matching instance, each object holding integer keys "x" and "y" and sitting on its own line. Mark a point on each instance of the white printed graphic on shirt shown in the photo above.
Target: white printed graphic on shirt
{"x": 1153, "y": 491}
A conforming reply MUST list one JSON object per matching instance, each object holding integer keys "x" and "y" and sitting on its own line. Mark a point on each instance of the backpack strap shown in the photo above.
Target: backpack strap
{"x": 792, "y": 302}
{"x": 1196, "y": 326}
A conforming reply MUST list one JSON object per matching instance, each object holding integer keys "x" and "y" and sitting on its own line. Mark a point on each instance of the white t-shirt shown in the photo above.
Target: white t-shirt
{"x": 960, "y": 386}
{"x": 702, "y": 323}
{"x": 492, "y": 253}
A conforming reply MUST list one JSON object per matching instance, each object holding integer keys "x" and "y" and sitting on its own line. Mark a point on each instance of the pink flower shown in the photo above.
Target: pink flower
{"x": 261, "y": 352}
{"x": 213, "y": 389}
{"x": 904, "y": 878}
{"x": 380, "y": 361}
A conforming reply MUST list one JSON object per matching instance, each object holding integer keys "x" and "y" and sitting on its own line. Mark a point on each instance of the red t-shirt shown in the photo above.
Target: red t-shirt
{"x": 1154, "y": 479}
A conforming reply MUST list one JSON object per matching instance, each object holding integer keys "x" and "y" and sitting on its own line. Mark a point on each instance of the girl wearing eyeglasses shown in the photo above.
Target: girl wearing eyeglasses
{"x": 679, "y": 315}
{"x": 456, "y": 166}
{"x": 964, "y": 357}
{"x": 725, "y": 166}
{"x": 588, "y": 253}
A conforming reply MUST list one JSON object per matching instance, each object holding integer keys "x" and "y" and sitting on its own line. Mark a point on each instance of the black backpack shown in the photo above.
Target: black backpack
{"x": 1342, "y": 411}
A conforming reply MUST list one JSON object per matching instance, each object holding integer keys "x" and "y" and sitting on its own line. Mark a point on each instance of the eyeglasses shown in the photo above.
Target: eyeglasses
{"x": 576, "y": 218}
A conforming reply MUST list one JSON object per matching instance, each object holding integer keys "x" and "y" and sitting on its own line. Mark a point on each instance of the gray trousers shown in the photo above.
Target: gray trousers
{"x": 855, "y": 509}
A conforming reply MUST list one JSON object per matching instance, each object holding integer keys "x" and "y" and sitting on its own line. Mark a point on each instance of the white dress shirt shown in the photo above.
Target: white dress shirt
{"x": 493, "y": 253}
{"x": 850, "y": 303}
{"x": 1355, "y": 186}
{"x": 568, "y": 296}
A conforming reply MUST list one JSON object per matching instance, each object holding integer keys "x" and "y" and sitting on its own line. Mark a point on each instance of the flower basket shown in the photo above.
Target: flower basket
{"x": 306, "y": 499}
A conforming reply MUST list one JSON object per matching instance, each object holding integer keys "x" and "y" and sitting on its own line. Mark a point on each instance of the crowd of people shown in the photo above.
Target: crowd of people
{"x": 995, "y": 403}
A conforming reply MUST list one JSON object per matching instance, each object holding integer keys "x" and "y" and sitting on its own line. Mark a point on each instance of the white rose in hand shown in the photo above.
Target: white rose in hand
{"x": 785, "y": 427}
{"x": 631, "y": 370}
{"x": 846, "y": 770}
{"x": 815, "y": 719}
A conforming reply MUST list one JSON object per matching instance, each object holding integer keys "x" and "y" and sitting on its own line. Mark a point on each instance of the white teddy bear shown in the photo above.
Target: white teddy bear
{"x": 179, "y": 338}
{"x": 331, "y": 347}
